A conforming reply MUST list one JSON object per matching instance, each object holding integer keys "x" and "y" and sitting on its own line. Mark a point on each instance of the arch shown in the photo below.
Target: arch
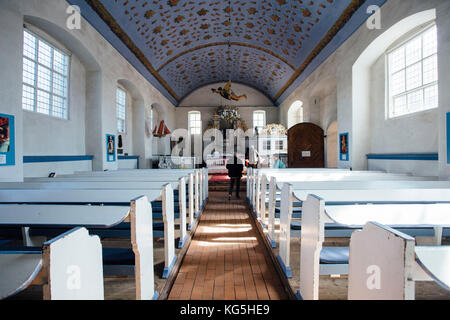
{"x": 67, "y": 39}
{"x": 361, "y": 82}
{"x": 131, "y": 89}
{"x": 295, "y": 114}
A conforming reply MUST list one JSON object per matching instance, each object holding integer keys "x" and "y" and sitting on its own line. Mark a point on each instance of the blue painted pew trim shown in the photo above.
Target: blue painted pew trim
{"x": 405, "y": 156}
{"x": 272, "y": 242}
{"x": 182, "y": 242}
{"x": 167, "y": 270}
{"x": 298, "y": 295}
{"x": 287, "y": 270}
{"x": 155, "y": 296}
{"x": 41, "y": 159}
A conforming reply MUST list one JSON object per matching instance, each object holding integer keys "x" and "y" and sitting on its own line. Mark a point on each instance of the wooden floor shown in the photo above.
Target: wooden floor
{"x": 227, "y": 259}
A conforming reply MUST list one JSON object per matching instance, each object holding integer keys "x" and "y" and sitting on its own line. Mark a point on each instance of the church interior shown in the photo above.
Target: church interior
{"x": 224, "y": 150}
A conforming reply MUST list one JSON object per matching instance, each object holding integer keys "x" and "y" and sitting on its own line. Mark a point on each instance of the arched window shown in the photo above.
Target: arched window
{"x": 45, "y": 76}
{"x": 295, "y": 114}
{"x": 413, "y": 74}
{"x": 195, "y": 122}
{"x": 259, "y": 120}
{"x": 121, "y": 109}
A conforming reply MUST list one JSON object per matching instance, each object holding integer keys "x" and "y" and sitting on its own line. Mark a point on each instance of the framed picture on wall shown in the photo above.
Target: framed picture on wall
{"x": 344, "y": 147}
{"x": 7, "y": 140}
{"x": 110, "y": 148}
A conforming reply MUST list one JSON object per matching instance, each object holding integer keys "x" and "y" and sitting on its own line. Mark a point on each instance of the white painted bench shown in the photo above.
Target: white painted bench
{"x": 103, "y": 196}
{"x": 316, "y": 261}
{"x": 389, "y": 269}
{"x": 323, "y": 176}
{"x": 145, "y": 176}
{"x": 179, "y": 185}
{"x": 139, "y": 215}
{"x": 152, "y": 173}
{"x": 349, "y": 196}
{"x": 354, "y": 181}
{"x": 253, "y": 173}
{"x": 69, "y": 267}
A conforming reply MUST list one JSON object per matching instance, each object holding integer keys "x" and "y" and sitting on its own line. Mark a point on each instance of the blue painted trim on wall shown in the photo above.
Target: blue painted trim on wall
{"x": 128, "y": 157}
{"x": 448, "y": 137}
{"x": 405, "y": 156}
{"x": 38, "y": 159}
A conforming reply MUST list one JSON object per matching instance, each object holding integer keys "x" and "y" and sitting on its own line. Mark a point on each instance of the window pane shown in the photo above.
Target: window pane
{"x": 414, "y": 51}
{"x": 398, "y": 83}
{"x": 430, "y": 42}
{"x": 58, "y": 107}
{"x": 400, "y": 106}
{"x": 431, "y": 97}
{"x": 29, "y": 46}
{"x": 29, "y": 72}
{"x": 28, "y": 98}
{"x": 43, "y": 78}
{"x": 43, "y": 102}
{"x": 59, "y": 85}
{"x": 60, "y": 62}
{"x": 414, "y": 76}
{"x": 430, "y": 71}
{"x": 45, "y": 54}
{"x": 397, "y": 60}
{"x": 415, "y": 101}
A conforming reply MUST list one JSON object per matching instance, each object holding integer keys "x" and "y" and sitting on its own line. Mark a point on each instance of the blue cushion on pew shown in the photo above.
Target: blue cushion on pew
{"x": 11, "y": 233}
{"x": 3, "y": 242}
{"x": 118, "y": 256}
{"x": 22, "y": 249}
{"x": 334, "y": 255}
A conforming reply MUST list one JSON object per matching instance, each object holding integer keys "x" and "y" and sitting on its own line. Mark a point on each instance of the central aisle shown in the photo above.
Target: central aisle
{"x": 227, "y": 259}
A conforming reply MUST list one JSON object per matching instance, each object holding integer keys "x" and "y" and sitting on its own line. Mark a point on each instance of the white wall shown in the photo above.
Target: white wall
{"x": 360, "y": 112}
{"x": 97, "y": 68}
{"x": 205, "y": 101}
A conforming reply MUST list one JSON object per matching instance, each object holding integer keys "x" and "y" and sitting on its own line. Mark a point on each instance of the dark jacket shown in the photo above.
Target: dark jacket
{"x": 235, "y": 169}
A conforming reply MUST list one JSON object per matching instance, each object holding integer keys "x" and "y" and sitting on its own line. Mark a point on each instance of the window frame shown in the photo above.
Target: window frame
{"x": 264, "y": 119}
{"x": 190, "y": 127}
{"x": 46, "y": 39}
{"x": 119, "y": 87}
{"x": 390, "y": 98}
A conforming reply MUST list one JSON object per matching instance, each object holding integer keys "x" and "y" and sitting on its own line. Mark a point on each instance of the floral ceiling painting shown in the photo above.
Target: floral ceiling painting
{"x": 271, "y": 45}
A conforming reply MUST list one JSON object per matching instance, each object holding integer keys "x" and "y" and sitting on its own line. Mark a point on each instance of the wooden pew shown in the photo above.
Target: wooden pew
{"x": 105, "y": 197}
{"x": 389, "y": 269}
{"x": 69, "y": 267}
{"x": 252, "y": 174}
{"x": 395, "y": 194}
{"x": 371, "y": 181}
{"x": 178, "y": 185}
{"x": 153, "y": 173}
{"x": 300, "y": 176}
{"x": 142, "y": 177}
{"x": 316, "y": 260}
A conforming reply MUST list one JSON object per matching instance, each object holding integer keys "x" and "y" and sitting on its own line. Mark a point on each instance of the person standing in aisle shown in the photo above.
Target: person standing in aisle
{"x": 235, "y": 173}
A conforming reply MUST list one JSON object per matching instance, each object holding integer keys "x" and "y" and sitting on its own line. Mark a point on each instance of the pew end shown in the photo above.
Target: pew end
{"x": 381, "y": 264}
{"x": 74, "y": 267}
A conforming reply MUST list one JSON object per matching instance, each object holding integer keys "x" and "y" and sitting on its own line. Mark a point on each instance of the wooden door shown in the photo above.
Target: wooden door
{"x": 306, "y": 146}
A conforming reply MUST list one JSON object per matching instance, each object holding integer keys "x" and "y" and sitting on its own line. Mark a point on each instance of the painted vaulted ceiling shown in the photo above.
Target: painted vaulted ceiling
{"x": 181, "y": 45}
